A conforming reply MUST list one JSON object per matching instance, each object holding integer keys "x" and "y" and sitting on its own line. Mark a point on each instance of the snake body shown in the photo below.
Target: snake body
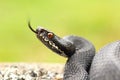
{"x": 81, "y": 63}
{"x": 106, "y": 63}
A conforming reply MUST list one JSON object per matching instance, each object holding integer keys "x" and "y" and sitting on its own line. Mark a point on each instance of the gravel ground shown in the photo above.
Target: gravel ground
{"x": 31, "y": 71}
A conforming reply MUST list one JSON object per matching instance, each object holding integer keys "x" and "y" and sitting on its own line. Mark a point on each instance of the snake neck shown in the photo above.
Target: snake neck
{"x": 82, "y": 59}
{"x": 78, "y": 65}
{"x": 84, "y": 52}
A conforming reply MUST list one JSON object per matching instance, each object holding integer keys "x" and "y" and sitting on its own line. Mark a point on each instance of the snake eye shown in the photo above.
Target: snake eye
{"x": 50, "y": 35}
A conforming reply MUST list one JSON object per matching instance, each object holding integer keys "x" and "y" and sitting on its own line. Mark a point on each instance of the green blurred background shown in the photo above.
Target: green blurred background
{"x": 96, "y": 20}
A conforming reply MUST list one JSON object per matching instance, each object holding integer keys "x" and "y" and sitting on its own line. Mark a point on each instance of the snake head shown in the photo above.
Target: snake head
{"x": 53, "y": 42}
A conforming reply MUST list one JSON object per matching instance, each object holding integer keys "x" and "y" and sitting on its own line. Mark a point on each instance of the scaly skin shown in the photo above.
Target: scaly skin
{"x": 106, "y": 63}
{"x": 79, "y": 52}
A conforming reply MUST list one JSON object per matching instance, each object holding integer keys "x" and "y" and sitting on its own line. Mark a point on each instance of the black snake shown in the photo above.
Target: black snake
{"x": 81, "y": 63}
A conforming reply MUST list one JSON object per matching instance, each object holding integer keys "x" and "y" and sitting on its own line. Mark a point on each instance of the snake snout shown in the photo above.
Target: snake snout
{"x": 40, "y": 30}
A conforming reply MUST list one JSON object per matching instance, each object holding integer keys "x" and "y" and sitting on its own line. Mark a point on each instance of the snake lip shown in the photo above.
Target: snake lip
{"x": 51, "y": 43}
{"x": 41, "y": 36}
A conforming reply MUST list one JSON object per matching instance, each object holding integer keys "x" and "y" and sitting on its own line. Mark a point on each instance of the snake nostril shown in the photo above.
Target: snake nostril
{"x": 39, "y": 30}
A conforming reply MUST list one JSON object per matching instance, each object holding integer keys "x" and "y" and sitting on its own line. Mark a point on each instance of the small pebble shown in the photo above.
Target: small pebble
{"x": 27, "y": 73}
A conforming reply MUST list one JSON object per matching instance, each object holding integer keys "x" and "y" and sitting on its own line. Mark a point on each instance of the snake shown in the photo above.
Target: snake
{"x": 82, "y": 61}
{"x": 106, "y": 63}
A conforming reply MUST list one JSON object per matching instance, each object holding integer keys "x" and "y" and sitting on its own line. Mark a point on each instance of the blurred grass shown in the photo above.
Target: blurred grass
{"x": 97, "y": 21}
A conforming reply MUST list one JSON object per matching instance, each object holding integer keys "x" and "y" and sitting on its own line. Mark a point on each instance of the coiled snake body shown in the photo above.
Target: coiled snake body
{"x": 106, "y": 63}
{"x": 80, "y": 53}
